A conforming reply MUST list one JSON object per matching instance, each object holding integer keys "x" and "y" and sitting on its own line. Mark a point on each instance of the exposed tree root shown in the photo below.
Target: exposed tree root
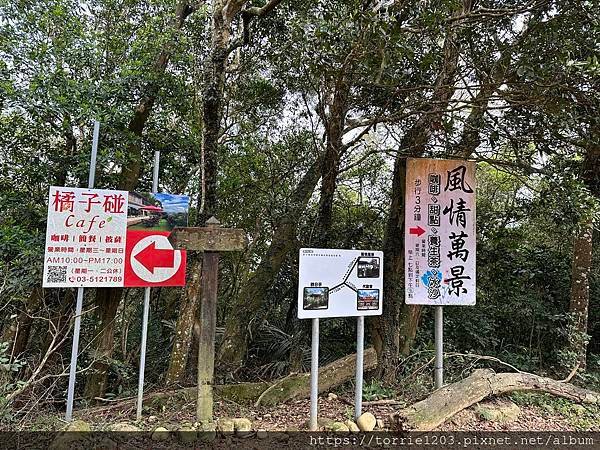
{"x": 444, "y": 403}
{"x": 293, "y": 386}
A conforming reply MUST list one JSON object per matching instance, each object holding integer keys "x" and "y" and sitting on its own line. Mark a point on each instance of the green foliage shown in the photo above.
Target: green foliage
{"x": 375, "y": 390}
{"x": 64, "y": 63}
{"x": 580, "y": 417}
{"x": 9, "y": 381}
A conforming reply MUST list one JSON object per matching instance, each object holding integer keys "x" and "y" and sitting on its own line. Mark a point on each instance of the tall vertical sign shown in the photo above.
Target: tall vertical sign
{"x": 440, "y": 232}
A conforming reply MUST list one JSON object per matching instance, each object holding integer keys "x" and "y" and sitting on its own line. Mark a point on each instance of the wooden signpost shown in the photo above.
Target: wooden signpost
{"x": 211, "y": 240}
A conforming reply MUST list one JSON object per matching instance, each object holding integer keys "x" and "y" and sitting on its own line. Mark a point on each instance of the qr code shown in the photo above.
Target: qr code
{"x": 57, "y": 274}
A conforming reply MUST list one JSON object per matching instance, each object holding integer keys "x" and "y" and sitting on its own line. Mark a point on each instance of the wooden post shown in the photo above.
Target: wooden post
{"x": 206, "y": 339}
{"x": 211, "y": 240}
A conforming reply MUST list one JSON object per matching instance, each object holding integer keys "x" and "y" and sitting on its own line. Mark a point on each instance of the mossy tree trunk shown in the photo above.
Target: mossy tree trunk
{"x": 582, "y": 253}
{"x": 108, "y": 299}
{"x": 243, "y": 315}
{"x": 444, "y": 403}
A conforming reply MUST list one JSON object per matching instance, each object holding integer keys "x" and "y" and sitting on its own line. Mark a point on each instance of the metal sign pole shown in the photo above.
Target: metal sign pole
{"x": 146, "y": 309}
{"x": 439, "y": 347}
{"x": 314, "y": 375}
{"x": 79, "y": 304}
{"x": 360, "y": 347}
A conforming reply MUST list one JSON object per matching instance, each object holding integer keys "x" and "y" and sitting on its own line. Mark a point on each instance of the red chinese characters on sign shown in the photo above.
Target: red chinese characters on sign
{"x": 85, "y": 238}
{"x": 150, "y": 260}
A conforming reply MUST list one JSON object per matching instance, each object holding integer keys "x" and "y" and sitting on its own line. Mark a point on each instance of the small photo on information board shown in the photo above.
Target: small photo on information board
{"x": 368, "y": 267}
{"x": 316, "y": 298}
{"x": 367, "y": 299}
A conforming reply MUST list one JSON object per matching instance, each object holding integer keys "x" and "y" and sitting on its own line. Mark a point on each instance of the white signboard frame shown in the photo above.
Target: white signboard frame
{"x": 440, "y": 239}
{"x": 85, "y": 238}
{"x": 340, "y": 283}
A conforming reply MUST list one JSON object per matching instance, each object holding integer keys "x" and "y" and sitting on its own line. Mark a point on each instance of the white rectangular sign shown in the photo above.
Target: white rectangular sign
{"x": 85, "y": 238}
{"x": 440, "y": 232}
{"x": 340, "y": 283}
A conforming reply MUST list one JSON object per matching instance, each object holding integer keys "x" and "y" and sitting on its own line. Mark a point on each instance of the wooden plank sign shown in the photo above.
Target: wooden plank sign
{"x": 208, "y": 239}
{"x": 211, "y": 240}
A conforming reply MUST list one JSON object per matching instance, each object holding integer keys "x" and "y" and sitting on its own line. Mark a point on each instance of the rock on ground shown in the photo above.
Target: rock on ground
{"x": 74, "y": 431}
{"x": 340, "y": 427}
{"x": 225, "y": 425}
{"x": 501, "y": 412}
{"x": 352, "y": 426}
{"x": 366, "y": 422}
{"x": 242, "y": 426}
{"x": 160, "y": 434}
{"x": 124, "y": 427}
{"x": 78, "y": 425}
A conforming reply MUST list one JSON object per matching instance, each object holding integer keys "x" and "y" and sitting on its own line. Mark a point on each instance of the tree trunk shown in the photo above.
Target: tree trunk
{"x": 185, "y": 324}
{"x": 108, "y": 299}
{"x": 244, "y": 310}
{"x": 580, "y": 288}
{"x": 394, "y": 332}
{"x": 334, "y": 120}
{"x": 212, "y": 106}
{"x": 582, "y": 256}
{"x": 132, "y": 166}
{"x": 17, "y": 333}
{"x": 444, "y": 403}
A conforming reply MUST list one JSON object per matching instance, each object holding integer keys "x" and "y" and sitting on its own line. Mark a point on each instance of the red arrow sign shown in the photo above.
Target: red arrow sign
{"x": 417, "y": 230}
{"x": 152, "y": 257}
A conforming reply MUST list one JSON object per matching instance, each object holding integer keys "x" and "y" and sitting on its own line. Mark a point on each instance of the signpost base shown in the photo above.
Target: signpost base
{"x": 439, "y": 347}
{"x": 360, "y": 347}
{"x": 314, "y": 375}
{"x": 143, "y": 353}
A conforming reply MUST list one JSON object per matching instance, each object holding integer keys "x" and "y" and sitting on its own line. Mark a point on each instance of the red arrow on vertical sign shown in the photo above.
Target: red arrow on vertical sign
{"x": 416, "y": 230}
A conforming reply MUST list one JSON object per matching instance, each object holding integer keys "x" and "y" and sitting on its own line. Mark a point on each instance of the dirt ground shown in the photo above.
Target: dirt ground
{"x": 537, "y": 413}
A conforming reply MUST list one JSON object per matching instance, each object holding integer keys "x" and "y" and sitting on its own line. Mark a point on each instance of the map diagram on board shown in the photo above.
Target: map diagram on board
{"x": 339, "y": 283}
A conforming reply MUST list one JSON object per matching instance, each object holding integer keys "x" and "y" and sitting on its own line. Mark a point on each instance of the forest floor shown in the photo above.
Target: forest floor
{"x": 529, "y": 412}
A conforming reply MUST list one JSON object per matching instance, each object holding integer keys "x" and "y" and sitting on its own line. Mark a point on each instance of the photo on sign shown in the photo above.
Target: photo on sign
{"x": 316, "y": 298}
{"x": 157, "y": 212}
{"x": 367, "y": 299}
{"x": 368, "y": 267}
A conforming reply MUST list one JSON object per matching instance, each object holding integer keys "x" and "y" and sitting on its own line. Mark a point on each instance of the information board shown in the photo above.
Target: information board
{"x": 440, "y": 232}
{"x": 340, "y": 283}
{"x": 85, "y": 238}
{"x": 103, "y": 238}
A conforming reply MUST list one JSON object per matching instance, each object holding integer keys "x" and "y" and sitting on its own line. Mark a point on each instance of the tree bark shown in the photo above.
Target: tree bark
{"x": 582, "y": 254}
{"x": 212, "y": 106}
{"x": 244, "y": 310}
{"x": 394, "y": 332}
{"x": 334, "y": 120}
{"x": 444, "y": 403}
{"x": 108, "y": 299}
{"x": 17, "y": 333}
